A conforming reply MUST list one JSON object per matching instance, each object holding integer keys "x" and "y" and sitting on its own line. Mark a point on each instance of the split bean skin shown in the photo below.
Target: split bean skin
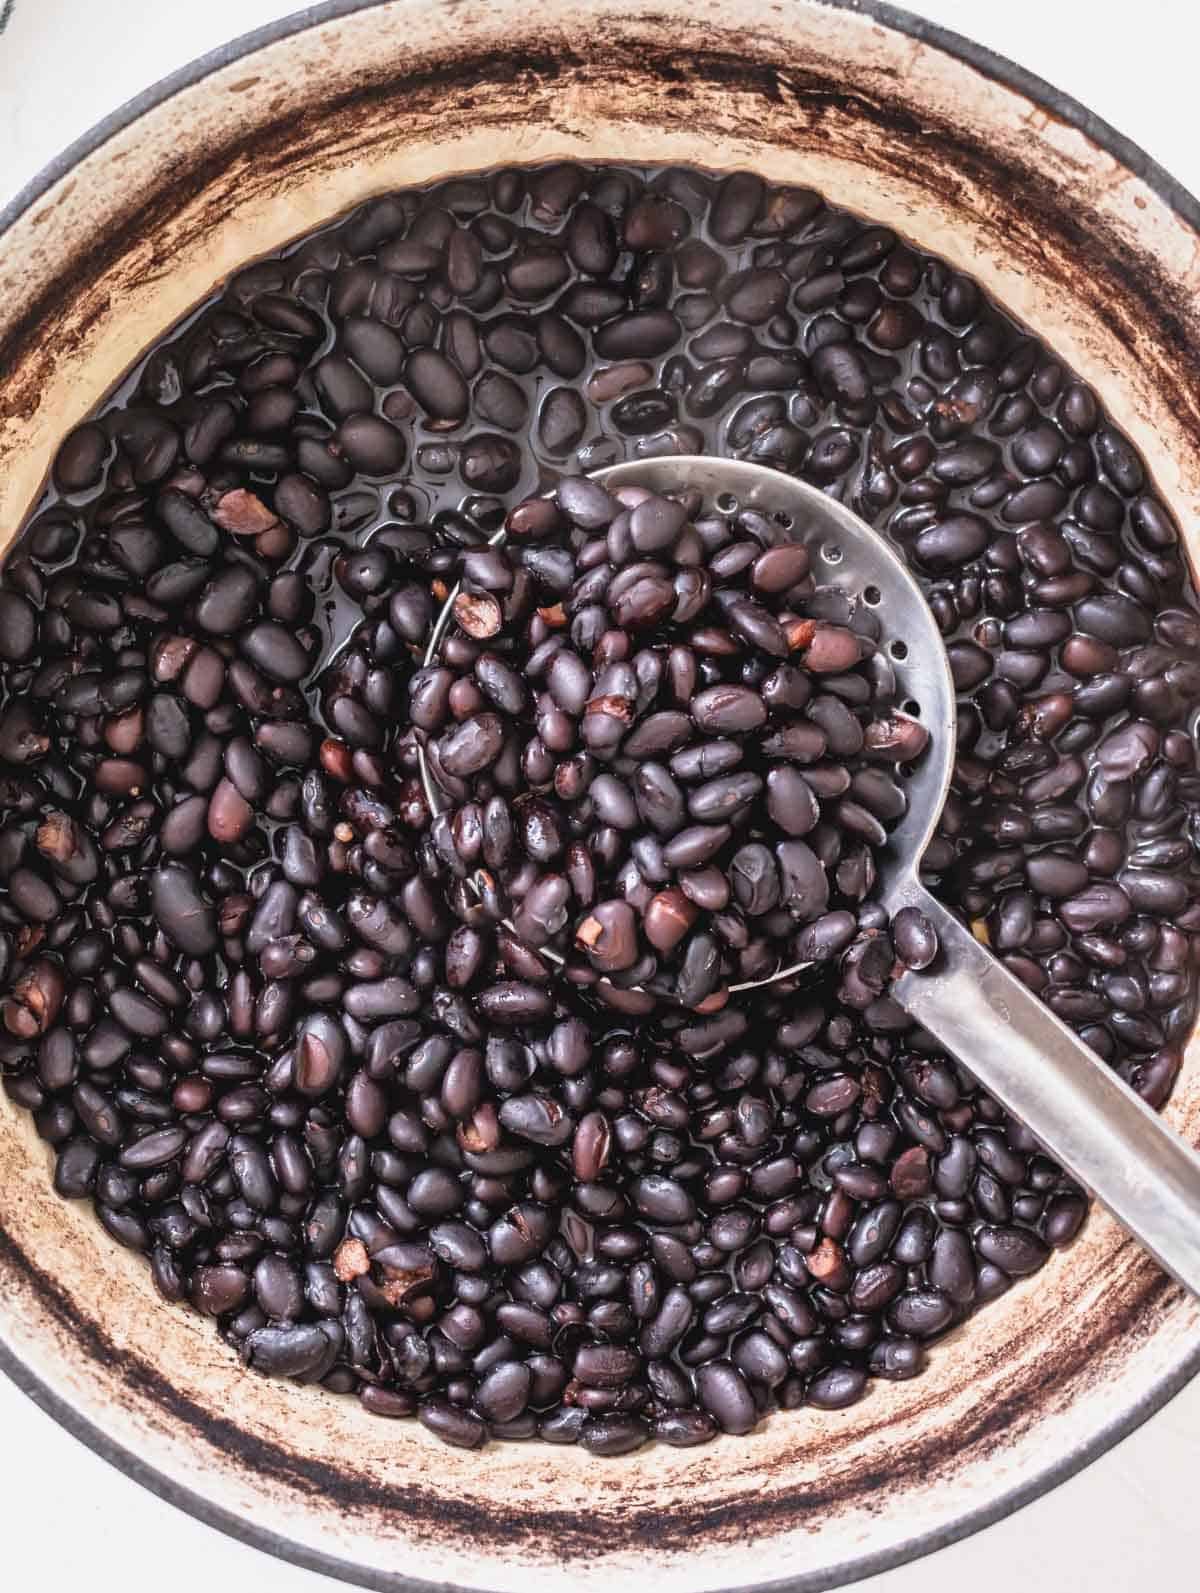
{"x": 263, "y": 1004}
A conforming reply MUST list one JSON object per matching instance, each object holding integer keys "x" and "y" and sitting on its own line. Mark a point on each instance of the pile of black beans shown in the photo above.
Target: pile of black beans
{"x": 670, "y": 751}
{"x": 238, "y": 988}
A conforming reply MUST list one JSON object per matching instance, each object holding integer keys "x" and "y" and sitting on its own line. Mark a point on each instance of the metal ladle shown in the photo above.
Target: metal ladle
{"x": 1032, "y": 1063}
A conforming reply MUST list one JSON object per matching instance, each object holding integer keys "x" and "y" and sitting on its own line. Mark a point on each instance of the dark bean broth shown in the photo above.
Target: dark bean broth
{"x": 230, "y": 1004}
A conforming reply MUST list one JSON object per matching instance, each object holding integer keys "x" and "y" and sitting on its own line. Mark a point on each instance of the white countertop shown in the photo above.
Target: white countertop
{"x": 71, "y": 1520}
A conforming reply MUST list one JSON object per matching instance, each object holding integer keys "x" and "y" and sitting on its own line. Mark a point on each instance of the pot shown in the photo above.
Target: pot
{"x": 1071, "y": 228}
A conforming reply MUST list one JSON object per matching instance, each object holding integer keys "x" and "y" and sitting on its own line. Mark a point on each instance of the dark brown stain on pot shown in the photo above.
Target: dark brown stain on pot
{"x": 1076, "y": 1362}
{"x": 655, "y": 83}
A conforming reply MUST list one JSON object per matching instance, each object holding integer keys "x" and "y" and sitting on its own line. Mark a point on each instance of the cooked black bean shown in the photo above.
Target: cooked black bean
{"x": 187, "y": 920}
{"x": 512, "y": 1001}
{"x": 721, "y": 710}
{"x": 836, "y": 1387}
{"x": 636, "y": 335}
{"x": 661, "y": 1199}
{"x": 80, "y": 459}
{"x": 504, "y": 1393}
{"x": 921, "y": 1313}
{"x": 372, "y": 445}
{"x": 737, "y": 204}
{"x": 914, "y": 937}
{"x": 275, "y": 651}
{"x": 725, "y": 1395}
{"x": 1016, "y": 1251}
{"x": 473, "y": 745}
{"x": 287, "y": 1351}
{"x": 450, "y": 1423}
{"x": 228, "y": 601}
{"x": 612, "y": 1434}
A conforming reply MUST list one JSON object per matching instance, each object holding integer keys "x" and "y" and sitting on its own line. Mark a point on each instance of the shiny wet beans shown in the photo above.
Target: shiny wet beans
{"x": 262, "y": 1002}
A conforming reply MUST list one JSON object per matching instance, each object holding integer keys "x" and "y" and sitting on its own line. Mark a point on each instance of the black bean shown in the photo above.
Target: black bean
{"x": 186, "y": 919}
{"x": 538, "y": 1118}
{"x": 612, "y": 1434}
{"x": 836, "y": 1387}
{"x": 372, "y": 445}
{"x": 512, "y": 1001}
{"x": 320, "y": 1051}
{"x": 187, "y": 522}
{"x": 1113, "y": 618}
{"x": 639, "y": 335}
{"x": 341, "y": 387}
{"x": 504, "y": 1393}
{"x": 286, "y": 1351}
{"x": 562, "y": 421}
{"x": 473, "y": 745}
{"x": 736, "y": 206}
{"x": 274, "y": 650}
{"x": 951, "y": 542}
{"x": 662, "y": 1200}
{"x": 693, "y": 846}
{"x": 724, "y": 1393}
{"x": 228, "y": 601}
{"x": 1100, "y": 904}
{"x": 1063, "y": 1219}
{"x": 450, "y": 1423}
{"x": 80, "y": 459}
{"x": 723, "y": 710}
{"x": 218, "y": 1290}
{"x": 914, "y": 937}
{"x": 374, "y": 347}
{"x": 75, "y": 1169}
{"x": 683, "y": 1428}
{"x": 921, "y": 1313}
{"x": 1016, "y": 1251}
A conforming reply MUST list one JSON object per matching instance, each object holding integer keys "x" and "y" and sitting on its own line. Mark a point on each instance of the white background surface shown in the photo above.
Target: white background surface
{"x": 70, "y": 1520}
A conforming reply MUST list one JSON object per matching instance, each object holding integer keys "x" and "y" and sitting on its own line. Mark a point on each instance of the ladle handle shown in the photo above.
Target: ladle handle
{"x": 1082, "y": 1112}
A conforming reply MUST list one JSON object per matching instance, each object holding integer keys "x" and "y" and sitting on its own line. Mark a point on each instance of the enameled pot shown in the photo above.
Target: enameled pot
{"x": 1071, "y": 228}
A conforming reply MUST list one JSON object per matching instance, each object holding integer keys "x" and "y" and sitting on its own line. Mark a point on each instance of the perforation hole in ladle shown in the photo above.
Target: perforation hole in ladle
{"x": 831, "y": 553}
{"x": 726, "y": 502}
{"x": 898, "y": 650}
{"x": 872, "y": 596}
{"x": 913, "y": 707}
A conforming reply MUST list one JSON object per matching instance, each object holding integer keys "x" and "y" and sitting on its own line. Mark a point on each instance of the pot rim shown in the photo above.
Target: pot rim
{"x": 1064, "y": 108}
